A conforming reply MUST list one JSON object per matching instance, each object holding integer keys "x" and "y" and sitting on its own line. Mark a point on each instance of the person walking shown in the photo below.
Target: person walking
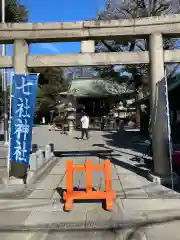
{"x": 115, "y": 118}
{"x": 102, "y": 122}
{"x": 84, "y": 126}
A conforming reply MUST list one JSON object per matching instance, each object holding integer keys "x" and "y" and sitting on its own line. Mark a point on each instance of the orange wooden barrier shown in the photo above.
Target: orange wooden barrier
{"x": 72, "y": 195}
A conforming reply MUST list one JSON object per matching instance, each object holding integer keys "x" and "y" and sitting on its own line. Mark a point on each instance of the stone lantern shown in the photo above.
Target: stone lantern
{"x": 71, "y": 117}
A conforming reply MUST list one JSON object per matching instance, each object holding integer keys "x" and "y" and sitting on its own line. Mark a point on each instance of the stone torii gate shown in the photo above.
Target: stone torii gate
{"x": 154, "y": 28}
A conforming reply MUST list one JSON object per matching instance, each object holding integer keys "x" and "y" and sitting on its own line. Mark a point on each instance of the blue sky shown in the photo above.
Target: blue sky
{"x": 56, "y": 11}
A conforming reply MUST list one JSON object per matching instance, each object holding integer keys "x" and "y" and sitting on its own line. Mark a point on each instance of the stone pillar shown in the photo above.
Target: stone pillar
{"x": 88, "y": 46}
{"x": 159, "y": 121}
{"x": 21, "y": 49}
{"x": 71, "y": 99}
{"x": 47, "y": 152}
{"x": 71, "y": 127}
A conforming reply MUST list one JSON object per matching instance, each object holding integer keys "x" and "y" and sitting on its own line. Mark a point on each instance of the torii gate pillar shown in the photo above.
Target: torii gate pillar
{"x": 159, "y": 120}
{"x": 21, "y": 51}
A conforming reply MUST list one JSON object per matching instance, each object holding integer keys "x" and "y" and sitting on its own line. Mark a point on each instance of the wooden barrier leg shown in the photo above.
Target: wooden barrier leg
{"x": 88, "y": 176}
{"x": 69, "y": 184}
{"x": 107, "y": 175}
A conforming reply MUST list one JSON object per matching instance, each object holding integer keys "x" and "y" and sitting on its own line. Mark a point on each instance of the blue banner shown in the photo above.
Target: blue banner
{"x": 22, "y": 114}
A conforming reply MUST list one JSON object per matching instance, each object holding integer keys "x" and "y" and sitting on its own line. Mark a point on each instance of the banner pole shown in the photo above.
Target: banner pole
{"x": 10, "y": 116}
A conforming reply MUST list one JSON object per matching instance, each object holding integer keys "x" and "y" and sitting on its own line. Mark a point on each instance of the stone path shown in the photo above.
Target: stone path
{"x": 142, "y": 210}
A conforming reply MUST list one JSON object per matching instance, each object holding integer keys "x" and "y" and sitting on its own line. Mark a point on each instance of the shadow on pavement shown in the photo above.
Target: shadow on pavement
{"x": 107, "y": 152}
{"x": 141, "y": 167}
{"x": 61, "y": 191}
{"x": 133, "y": 168}
{"x": 130, "y": 140}
{"x": 133, "y": 140}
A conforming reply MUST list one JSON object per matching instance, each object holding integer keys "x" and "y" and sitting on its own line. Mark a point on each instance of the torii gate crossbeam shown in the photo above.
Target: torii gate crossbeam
{"x": 154, "y": 28}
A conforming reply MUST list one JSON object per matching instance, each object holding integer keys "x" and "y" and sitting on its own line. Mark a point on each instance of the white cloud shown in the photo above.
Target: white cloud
{"x": 50, "y": 47}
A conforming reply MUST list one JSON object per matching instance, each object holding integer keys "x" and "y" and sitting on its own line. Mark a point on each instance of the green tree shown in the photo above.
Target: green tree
{"x": 51, "y": 83}
{"x": 15, "y": 11}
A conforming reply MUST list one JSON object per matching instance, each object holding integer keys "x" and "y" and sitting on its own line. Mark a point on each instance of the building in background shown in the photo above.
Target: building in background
{"x": 97, "y": 95}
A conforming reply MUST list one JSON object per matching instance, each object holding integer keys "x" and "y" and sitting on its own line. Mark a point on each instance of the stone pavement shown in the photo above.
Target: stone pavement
{"x": 142, "y": 210}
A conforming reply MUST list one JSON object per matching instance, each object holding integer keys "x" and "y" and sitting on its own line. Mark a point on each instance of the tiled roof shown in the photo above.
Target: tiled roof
{"x": 97, "y": 87}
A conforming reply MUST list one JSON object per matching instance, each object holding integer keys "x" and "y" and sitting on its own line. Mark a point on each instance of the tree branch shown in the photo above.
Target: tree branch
{"x": 173, "y": 71}
{"x": 141, "y": 48}
{"x": 110, "y": 48}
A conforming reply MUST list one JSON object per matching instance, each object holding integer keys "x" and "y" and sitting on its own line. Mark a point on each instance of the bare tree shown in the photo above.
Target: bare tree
{"x": 129, "y": 9}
